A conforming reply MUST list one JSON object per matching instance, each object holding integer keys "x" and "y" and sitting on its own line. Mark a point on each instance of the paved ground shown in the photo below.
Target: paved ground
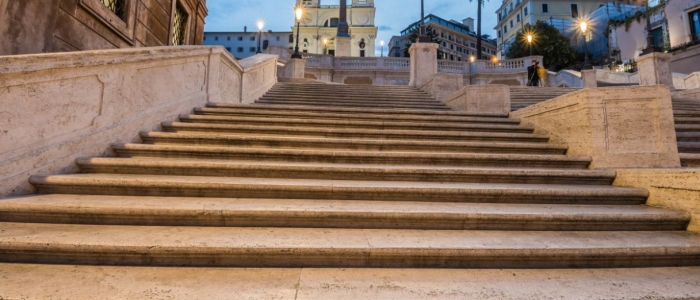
{"x": 87, "y": 282}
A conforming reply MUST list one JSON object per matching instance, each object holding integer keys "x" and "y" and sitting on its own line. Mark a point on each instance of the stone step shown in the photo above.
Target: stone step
{"x": 690, "y": 159}
{"x": 354, "y": 133}
{"x": 517, "y": 160}
{"x": 256, "y": 111}
{"x": 687, "y": 120}
{"x": 231, "y": 212}
{"x": 32, "y": 281}
{"x": 350, "y": 110}
{"x": 686, "y": 113}
{"x": 357, "y": 124}
{"x": 352, "y": 95}
{"x": 304, "y": 170}
{"x": 250, "y": 187}
{"x": 358, "y": 104}
{"x": 311, "y": 247}
{"x": 689, "y": 147}
{"x": 285, "y": 142}
{"x": 351, "y": 88}
{"x": 363, "y": 100}
{"x": 687, "y": 127}
{"x": 688, "y": 136}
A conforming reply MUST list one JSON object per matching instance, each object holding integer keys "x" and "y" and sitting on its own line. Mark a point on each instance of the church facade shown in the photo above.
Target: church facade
{"x": 319, "y": 26}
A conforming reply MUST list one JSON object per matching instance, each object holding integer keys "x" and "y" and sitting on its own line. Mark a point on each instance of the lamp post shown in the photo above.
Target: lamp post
{"x": 298, "y": 12}
{"x": 381, "y": 45}
{"x": 261, "y": 24}
{"x": 325, "y": 45}
{"x": 529, "y": 42}
{"x": 584, "y": 26}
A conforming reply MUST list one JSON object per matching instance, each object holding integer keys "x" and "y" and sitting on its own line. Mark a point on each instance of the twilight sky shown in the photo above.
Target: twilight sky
{"x": 392, "y": 15}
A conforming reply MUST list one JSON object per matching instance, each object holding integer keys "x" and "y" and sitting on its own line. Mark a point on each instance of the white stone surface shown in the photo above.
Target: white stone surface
{"x": 621, "y": 127}
{"x": 57, "y": 107}
{"x": 494, "y": 98}
{"x": 342, "y": 47}
{"x": 589, "y": 79}
{"x": 442, "y": 85}
{"x": 655, "y": 68}
{"x": 424, "y": 63}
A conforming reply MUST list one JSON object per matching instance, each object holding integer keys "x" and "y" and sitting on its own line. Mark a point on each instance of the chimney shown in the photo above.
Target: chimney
{"x": 469, "y": 22}
{"x": 245, "y": 28}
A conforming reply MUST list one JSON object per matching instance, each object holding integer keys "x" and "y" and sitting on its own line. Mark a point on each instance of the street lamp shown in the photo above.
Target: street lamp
{"x": 325, "y": 45}
{"x": 529, "y": 42}
{"x": 381, "y": 45}
{"x": 584, "y": 26}
{"x": 261, "y": 24}
{"x": 298, "y": 12}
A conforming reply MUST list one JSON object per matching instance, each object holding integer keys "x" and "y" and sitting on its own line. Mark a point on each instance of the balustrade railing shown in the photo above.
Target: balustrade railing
{"x": 504, "y": 66}
{"x": 446, "y": 66}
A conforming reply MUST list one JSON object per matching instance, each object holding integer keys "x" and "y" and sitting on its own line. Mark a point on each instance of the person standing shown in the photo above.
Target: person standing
{"x": 532, "y": 74}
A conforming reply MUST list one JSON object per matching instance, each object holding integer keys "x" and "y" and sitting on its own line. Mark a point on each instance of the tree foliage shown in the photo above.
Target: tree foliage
{"x": 413, "y": 37}
{"x": 548, "y": 42}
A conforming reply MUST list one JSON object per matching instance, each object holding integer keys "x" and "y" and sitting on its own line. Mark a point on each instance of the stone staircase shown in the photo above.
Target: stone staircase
{"x": 521, "y": 97}
{"x": 687, "y": 118}
{"x": 335, "y": 176}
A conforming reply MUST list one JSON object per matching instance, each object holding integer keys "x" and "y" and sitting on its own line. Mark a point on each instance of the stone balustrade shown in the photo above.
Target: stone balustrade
{"x": 457, "y": 67}
{"x": 504, "y": 66}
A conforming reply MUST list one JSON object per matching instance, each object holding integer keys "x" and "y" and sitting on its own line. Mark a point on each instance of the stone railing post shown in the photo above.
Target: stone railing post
{"x": 423, "y": 63}
{"x": 295, "y": 68}
{"x": 588, "y": 78}
{"x": 654, "y": 69}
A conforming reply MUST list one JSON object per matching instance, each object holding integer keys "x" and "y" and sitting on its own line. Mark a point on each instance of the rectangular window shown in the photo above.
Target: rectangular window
{"x": 239, "y": 49}
{"x": 228, "y": 38}
{"x": 118, "y": 7}
{"x": 216, "y": 38}
{"x": 574, "y": 11}
{"x": 240, "y": 38}
{"x": 278, "y": 38}
{"x": 179, "y": 25}
{"x": 518, "y": 16}
{"x": 694, "y": 18}
{"x": 545, "y": 8}
{"x": 499, "y": 33}
{"x": 452, "y": 47}
{"x": 511, "y": 23}
{"x": 252, "y": 39}
{"x": 228, "y": 49}
{"x": 525, "y": 10}
{"x": 252, "y": 49}
{"x": 505, "y": 29}
{"x": 657, "y": 36}
{"x": 362, "y": 53}
{"x": 205, "y": 38}
{"x": 397, "y": 43}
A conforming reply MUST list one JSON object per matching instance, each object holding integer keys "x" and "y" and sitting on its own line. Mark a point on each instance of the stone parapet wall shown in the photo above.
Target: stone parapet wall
{"x": 57, "y": 107}
{"x": 618, "y": 127}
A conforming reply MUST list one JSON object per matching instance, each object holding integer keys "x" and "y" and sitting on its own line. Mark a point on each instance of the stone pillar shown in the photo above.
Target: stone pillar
{"x": 342, "y": 39}
{"x": 342, "y": 46}
{"x": 655, "y": 68}
{"x": 588, "y": 79}
{"x": 423, "y": 62}
{"x": 295, "y": 68}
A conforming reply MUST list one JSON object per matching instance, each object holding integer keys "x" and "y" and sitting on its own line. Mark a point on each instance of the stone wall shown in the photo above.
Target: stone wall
{"x": 42, "y": 26}
{"x": 57, "y": 107}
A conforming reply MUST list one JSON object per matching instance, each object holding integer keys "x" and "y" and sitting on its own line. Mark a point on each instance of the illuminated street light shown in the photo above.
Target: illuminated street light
{"x": 261, "y": 25}
{"x": 299, "y": 13}
{"x": 325, "y": 45}
{"x": 529, "y": 42}
{"x": 381, "y": 45}
{"x": 584, "y": 26}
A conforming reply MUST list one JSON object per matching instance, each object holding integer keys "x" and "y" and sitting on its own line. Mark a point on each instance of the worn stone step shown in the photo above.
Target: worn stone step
{"x": 305, "y": 170}
{"x": 358, "y": 105}
{"x": 689, "y": 147}
{"x": 286, "y": 142}
{"x": 351, "y": 95}
{"x": 351, "y": 88}
{"x": 377, "y": 117}
{"x": 687, "y": 127}
{"x": 367, "y": 100}
{"x": 249, "y": 187}
{"x": 686, "y": 113}
{"x": 690, "y": 159}
{"x": 32, "y": 281}
{"x": 688, "y": 136}
{"x": 350, "y": 110}
{"x": 311, "y": 247}
{"x": 517, "y": 160}
{"x": 358, "y": 124}
{"x": 354, "y": 133}
{"x": 232, "y": 212}
{"x": 687, "y": 120}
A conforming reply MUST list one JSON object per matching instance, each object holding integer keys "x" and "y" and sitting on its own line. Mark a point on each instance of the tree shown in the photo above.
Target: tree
{"x": 478, "y": 28}
{"x": 413, "y": 37}
{"x": 548, "y": 42}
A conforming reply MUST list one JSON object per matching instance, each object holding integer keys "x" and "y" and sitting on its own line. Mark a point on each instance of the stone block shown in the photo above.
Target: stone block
{"x": 491, "y": 99}
{"x": 589, "y": 79}
{"x": 295, "y": 68}
{"x": 620, "y": 127}
{"x": 423, "y": 63}
{"x": 442, "y": 85}
{"x": 342, "y": 47}
{"x": 669, "y": 188}
{"x": 655, "y": 68}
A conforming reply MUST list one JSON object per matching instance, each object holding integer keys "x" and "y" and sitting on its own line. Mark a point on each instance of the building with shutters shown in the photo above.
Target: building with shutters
{"x": 244, "y": 43}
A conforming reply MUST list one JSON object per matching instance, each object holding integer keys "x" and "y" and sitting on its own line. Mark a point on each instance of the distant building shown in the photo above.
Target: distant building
{"x": 675, "y": 27}
{"x": 457, "y": 39}
{"x": 245, "y": 44}
{"x": 43, "y": 26}
{"x": 514, "y": 14}
{"x": 320, "y": 23}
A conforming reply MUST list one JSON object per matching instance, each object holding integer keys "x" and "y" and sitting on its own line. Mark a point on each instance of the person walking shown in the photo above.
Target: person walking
{"x": 542, "y": 74}
{"x": 532, "y": 74}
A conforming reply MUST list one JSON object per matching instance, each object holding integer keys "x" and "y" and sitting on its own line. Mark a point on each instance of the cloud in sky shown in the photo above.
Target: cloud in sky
{"x": 392, "y": 15}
